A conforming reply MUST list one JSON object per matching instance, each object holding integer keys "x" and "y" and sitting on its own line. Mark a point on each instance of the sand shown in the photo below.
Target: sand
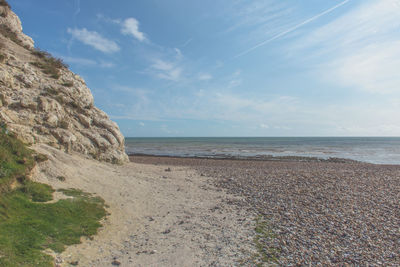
{"x": 160, "y": 215}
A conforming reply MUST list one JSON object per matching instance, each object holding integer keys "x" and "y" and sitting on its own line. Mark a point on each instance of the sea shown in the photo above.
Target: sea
{"x": 378, "y": 150}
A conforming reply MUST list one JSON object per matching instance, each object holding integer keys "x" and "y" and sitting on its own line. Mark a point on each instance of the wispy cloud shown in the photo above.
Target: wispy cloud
{"x": 87, "y": 62}
{"x": 166, "y": 70}
{"x": 94, "y": 39}
{"x": 77, "y": 7}
{"x": 79, "y": 61}
{"x": 187, "y": 42}
{"x": 291, "y": 29}
{"x": 104, "y": 18}
{"x": 360, "y": 49}
{"x": 105, "y": 64}
{"x": 130, "y": 26}
{"x": 204, "y": 76}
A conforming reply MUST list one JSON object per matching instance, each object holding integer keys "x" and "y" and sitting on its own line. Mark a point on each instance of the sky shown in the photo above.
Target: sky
{"x": 230, "y": 67}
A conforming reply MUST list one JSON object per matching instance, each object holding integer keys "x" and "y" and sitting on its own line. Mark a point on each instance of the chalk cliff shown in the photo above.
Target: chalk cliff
{"x": 42, "y": 101}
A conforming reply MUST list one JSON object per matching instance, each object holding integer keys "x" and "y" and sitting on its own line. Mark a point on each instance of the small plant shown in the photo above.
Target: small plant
{"x": 4, "y": 3}
{"x": 264, "y": 234}
{"x": 40, "y": 158}
{"x": 48, "y": 64}
{"x": 60, "y": 99}
{"x": 49, "y": 91}
{"x": 61, "y": 178}
{"x": 37, "y": 192}
{"x": 73, "y": 104}
{"x": 2, "y": 58}
{"x": 63, "y": 124}
{"x": 68, "y": 84}
{"x": 10, "y": 34}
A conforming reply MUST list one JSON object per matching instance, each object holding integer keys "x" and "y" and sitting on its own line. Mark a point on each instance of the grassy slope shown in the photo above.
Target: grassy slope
{"x": 16, "y": 160}
{"x": 27, "y": 225}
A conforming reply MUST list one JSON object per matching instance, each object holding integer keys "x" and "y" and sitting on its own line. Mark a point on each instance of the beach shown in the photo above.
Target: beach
{"x": 321, "y": 213}
{"x": 159, "y": 215}
{"x": 167, "y": 211}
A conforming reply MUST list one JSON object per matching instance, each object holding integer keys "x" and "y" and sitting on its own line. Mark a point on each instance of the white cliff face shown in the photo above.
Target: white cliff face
{"x": 56, "y": 111}
{"x": 11, "y": 20}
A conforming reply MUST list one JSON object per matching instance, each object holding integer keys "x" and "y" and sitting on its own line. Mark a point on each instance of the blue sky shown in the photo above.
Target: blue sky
{"x": 231, "y": 67}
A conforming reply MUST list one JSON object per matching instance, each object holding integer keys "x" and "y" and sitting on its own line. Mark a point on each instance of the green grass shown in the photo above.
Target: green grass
{"x": 29, "y": 225}
{"x": 16, "y": 160}
{"x": 37, "y": 192}
{"x": 266, "y": 255}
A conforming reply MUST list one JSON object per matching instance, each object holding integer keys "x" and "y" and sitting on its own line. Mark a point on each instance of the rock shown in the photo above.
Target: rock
{"x": 42, "y": 109}
{"x": 11, "y": 20}
{"x": 115, "y": 263}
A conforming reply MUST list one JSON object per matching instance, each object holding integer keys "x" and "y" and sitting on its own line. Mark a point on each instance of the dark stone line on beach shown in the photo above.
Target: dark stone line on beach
{"x": 252, "y": 158}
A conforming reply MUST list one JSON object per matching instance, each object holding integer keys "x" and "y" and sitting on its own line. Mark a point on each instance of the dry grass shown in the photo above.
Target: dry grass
{"x": 9, "y": 34}
{"x": 48, "y": 64}
{"x": 5, "y": 3}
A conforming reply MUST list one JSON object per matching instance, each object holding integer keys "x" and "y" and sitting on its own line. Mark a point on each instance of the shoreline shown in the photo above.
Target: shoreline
{"x": 258, "y": 158}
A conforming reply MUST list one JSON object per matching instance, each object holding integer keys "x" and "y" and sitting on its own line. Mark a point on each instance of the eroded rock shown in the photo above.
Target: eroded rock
{"x": 58, "y": 111}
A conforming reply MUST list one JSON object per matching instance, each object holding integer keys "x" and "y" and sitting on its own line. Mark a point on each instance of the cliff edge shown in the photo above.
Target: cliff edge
{"x": 41, "y": 101}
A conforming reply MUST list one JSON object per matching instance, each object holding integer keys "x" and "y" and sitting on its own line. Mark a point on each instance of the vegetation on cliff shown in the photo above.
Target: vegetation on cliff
{"x": 28, "y": 225}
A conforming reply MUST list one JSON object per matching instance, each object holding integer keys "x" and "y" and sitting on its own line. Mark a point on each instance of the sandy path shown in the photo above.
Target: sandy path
{"x": 158, "y": 217}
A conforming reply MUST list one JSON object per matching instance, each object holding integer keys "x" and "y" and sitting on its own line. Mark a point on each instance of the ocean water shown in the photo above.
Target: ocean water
{"x": 380, "y": 150}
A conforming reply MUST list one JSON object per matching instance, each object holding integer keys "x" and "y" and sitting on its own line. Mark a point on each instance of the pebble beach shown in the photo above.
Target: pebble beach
{"x": 331, "y": 213}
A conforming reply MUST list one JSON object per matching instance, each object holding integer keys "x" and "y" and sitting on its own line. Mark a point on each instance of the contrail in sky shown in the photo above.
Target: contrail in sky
{"x": 291, "y": 29}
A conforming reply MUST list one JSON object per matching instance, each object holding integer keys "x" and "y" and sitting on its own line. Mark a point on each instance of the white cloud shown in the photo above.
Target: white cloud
{"x": 141, "y": 124}
{"x": 268, "y": 114}
{"x": 107, "y": 19}
{"x": 105, "y": 64}
{"x": 235, "y": 79}
{"x": 87, "y": 62}
{"x": 204, "y": 76}
{"x": 360, "y": 49}
{"x": 130, "y": 26}
{"x": 370, "y": 69}
{"x": 94, "y": 39}
{"x": 79, "y": 61}
{"x": 166, "y": 70}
